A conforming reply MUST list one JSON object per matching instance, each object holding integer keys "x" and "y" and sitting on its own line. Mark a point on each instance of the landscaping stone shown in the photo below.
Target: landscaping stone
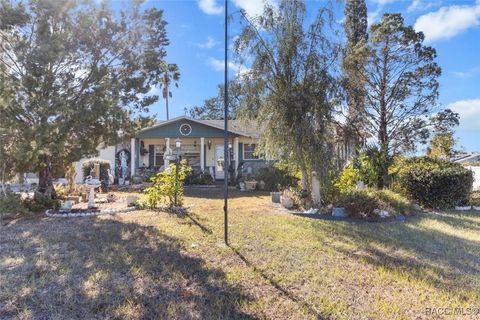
{"x": 74, "y": 199}
{"x": 463, "y": 208}
{"x": 287, "y": 202}
{"x": 131, "y": 199}
{"x": 52, "y": 214}
{"x": 66, "y": 206}
{"x": 381, "y": 213}
{"x": 339, "y": 212}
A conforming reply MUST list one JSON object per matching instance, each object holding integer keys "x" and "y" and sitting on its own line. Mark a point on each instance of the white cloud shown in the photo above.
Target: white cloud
{"x": 422, "y": 5}
{"x": 372, "y": 16}
{"x": 448, "y": 21}
{"x": 472, "y": 72}
{"x": 252, "y": 7}
{"x": 210, "y": 43}
{"x": 384, "y": 2}
{"x": 414, "y": 6}
{"x": 210, "y": 6}
{"x": 219, "y": 65}
{"x": 469, "y": 111}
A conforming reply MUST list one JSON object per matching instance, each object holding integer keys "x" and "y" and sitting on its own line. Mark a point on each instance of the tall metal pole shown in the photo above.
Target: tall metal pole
{"x": 225, "y": 142}
{"x": 165, "y": 92}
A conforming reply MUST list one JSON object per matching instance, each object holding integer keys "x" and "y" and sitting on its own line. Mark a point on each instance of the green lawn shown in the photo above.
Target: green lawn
{"x": 155, "y": 265}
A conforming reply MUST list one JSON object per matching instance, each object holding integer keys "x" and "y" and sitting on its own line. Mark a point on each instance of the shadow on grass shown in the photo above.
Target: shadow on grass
{"x": 311, "y": 309}
{"x": 197, "y": 221}
{"x": 91, "y": 268}
{"x": 416, "y": 249}
{"x": 216, "y": 192}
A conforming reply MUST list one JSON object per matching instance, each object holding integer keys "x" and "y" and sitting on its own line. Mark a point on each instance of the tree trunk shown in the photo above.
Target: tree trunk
{"x": 45, "y": 181}
{"x": 382, "y": 175}
{"x": 304, "y": 180}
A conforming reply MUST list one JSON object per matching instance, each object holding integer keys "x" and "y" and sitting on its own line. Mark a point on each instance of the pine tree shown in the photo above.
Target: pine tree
{"x": 355, "y": 27}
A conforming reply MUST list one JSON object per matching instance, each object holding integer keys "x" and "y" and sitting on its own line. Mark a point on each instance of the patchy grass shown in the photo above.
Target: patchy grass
{"x": 153, "y": 265}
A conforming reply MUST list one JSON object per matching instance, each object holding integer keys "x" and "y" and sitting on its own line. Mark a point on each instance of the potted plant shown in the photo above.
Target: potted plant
{"x": 275, "y": 196}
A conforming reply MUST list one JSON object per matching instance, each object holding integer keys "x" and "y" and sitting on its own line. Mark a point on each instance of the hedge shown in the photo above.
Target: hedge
{"x": 435, "y": 183}
{"x": 87, "y": 166}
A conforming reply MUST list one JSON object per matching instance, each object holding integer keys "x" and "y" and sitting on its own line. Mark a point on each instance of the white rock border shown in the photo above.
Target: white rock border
{"x": 467, "y": 208}
{"x": 49, "y": 213}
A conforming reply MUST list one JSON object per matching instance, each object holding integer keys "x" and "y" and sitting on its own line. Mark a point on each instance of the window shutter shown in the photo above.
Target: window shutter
{"x": 151, "y": 155}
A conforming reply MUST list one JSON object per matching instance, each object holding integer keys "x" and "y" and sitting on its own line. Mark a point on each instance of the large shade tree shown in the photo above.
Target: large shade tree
{"x": 81, "y": 74}
{"x": 401, "y": 88}
{"x": 291, "y": 80}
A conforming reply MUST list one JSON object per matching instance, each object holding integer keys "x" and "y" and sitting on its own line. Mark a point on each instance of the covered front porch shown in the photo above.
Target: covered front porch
{"x": 201, "y": 145}
{"x": 202, "y": 154}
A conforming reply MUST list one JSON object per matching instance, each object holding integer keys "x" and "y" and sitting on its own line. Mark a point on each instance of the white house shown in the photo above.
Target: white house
{"x": 472, "y": 162}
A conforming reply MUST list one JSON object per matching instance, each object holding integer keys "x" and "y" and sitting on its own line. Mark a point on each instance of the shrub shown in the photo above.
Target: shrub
{"x": 435, "y": 183}
{"x": 395, "y": 200}
{"x": 199, "y": 178}
{"x": 275, "y": 179}
{"x": 146, "y": 173}
{"x": 11, "y": 203}
{"x": 41, "y": 202}
{"x": 369, "y": 163}
{"x": 165, "y": 187}
{"x": 348, "y": 179}
{"x": 363, "y": 203}
{"x": 87, "y": 167}
{"x": 474, "y": 199}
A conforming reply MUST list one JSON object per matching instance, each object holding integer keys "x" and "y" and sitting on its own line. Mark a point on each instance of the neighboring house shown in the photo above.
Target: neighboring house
{"x": 472, "y": 162}
{"x": 202, "y": 146}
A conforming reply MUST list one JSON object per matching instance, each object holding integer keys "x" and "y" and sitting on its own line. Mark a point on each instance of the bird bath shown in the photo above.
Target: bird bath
{"x": 92, "y": 183}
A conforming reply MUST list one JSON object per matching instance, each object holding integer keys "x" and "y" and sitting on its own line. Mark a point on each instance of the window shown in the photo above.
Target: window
{"x": 249, "y": 151}
{"x": 159, "y": 152}
{"x": 191, "y": 153}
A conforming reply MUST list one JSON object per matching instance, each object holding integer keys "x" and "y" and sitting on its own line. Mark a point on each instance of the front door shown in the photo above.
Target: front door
{"x": 219, "y": 161}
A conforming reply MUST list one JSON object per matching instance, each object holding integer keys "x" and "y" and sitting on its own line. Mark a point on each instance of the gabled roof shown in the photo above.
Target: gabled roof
{"x": 466, "y": 158}
{"x": 238, "y": 127}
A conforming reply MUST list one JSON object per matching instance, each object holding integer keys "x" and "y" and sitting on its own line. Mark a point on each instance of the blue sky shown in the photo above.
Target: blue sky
{"x": 195, "y": 29}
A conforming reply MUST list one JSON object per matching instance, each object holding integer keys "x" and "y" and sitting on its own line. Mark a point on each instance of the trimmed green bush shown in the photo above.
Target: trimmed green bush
{"x": 87, "y": 166}
{"x": 435, "y": 183}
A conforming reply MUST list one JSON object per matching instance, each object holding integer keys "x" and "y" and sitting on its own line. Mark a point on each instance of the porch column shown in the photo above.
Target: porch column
{"x": 202, "y": 153}
{"x": 133, "y": 156}
{"x": 166, "y": 162}
{"x": 236, "y": 155}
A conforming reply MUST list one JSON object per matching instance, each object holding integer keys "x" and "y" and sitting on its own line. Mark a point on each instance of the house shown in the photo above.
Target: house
{"x": 202, "y": 146}
{"x": 472, "y": 162}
